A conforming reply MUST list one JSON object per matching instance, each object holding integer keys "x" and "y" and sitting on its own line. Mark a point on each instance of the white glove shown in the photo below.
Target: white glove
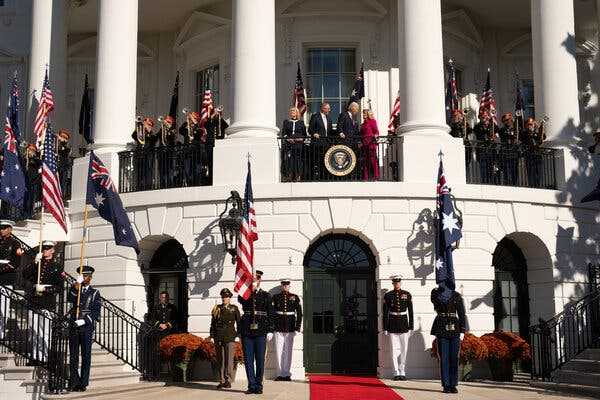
{"x": 38, "y": 257}
{"x": 386, "y": 333}
{"x": 269, "y": 336}
{"x": 462, "y": 336}
{"x": 79, "y": 322}
{"x": 80, "y": 279}
{"x": 39, "y": 288}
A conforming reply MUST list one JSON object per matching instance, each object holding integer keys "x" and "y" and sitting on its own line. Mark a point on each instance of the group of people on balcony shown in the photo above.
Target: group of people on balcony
{"x": 169, "y": 157}
{"x": 303, "y": 148}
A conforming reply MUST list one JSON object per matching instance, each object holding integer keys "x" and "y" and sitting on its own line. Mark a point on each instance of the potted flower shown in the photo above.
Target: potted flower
{"x": 504, "y": 348}
{"x": 472, "y": 349}
{"x": 179, "y": 349}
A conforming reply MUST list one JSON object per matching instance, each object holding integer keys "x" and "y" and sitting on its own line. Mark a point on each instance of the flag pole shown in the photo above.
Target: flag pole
{"x": 81, "y": 251}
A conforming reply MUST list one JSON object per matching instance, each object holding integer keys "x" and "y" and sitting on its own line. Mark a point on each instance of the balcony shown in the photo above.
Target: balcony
{"x": 511, "y": 165}
{"x": 333, "y": 159}
{"x": 165, "y": 167}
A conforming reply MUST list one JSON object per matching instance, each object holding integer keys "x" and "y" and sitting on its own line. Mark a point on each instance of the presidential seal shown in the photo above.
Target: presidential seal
{"x": 340, "y": 160}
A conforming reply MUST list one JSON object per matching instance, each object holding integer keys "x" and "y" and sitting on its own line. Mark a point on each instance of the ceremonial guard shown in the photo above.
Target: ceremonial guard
{"x": 10, "y": 260}
{"x": 223, "y": 324}
{"x": 85, "y": 313}
{"x": 215, "y": 129}
{"x": 42, "y": 296}
{"x": 508, "y": 133}
{"x": 255, "y": 328}
{"x": 33, "y": 179}
{"x": 164, "y": 315}
{"x": 145, "y": 139}
{"x": 510, "y": 159}
{"x": 398, "y": 321}
{"x": 449, "y": 326}
{"x": 165, "y": 159}
{"x": 486, "y": 131}
{"x": 459, "y": 128}
{"x": 294, "y": 134}
{"x": 64, "y": 157}
{"x": 288, "y": 319}
{"x": 191, "y": 158}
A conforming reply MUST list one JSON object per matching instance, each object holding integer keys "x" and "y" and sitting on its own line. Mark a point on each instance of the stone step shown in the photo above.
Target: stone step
{"x": 583, "y": 365}
{"x": 100, "y": 355}
{"x": 590, "y": 354}
{"x": 577, "y": 377}
{"x": 99, "y": 367}
{"x": 17, "y": 373}
{"x": 580, "y": 390}
{"x": 110, "y": 392}
{"x": 114, "y": 378}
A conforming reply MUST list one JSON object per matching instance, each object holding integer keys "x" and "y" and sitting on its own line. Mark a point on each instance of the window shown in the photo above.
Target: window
{"x": 330, "y": 74}
{"x": 528, "y": 99}
{"x": 207, "y": 79}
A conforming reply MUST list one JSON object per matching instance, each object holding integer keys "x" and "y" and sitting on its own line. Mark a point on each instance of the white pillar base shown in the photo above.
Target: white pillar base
{"x": 248, "y": 130}
{"x": 230, "y": 157}
{"x": 80, "y": 171}
{"x": 420, "y": 157}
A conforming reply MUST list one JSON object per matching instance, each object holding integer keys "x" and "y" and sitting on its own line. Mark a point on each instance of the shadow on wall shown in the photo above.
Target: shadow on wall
{"x": 206, "y": 262}
{"x": 420, "y": 245}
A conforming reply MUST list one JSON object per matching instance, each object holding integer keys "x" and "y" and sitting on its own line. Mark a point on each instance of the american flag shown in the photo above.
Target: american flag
{"x": 51, "y": 193}
{"x": 394, "y": 114}
{"x": 451, "y": 92}
{"x": 299, "y": 96}
{"x": 488, "y": 102}
{"x": 45, "y": 106}
{"x": 245, "y": 249}
{"x": 207, "y": 106}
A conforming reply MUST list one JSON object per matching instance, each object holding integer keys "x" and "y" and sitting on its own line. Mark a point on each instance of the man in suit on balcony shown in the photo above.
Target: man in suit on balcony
{"x": 347, "y": 126}
{"x": 319, "y": 127}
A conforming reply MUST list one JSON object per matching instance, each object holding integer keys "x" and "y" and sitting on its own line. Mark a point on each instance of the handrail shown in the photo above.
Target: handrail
{"x": 560, "y": 339}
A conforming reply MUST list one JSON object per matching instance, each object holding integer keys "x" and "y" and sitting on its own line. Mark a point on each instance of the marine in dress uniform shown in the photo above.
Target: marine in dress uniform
{"x": 287, "y": 322}
{"x": 398, "y": 321}
{"x": 10, "y": 260}
{"x": 448, "y": 327}
{"x": 255, "y": 325}
{"x": 81, "y": 333}
{"x": 42, "y": 297}
{"x": 223, "y": 323}
{"x": 293, "y": 132}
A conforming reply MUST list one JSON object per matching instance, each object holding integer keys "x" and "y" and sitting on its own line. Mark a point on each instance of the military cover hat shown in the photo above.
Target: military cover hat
{"x": 226, "y": 293}
{"x": 396, "y": 278}
{"x": 5, "y": 223}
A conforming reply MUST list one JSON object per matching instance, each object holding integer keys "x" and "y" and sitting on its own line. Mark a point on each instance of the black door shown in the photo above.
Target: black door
{"x": 340, "y": 326}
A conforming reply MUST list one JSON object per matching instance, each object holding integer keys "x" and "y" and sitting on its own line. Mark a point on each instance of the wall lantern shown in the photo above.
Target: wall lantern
{"x": 230, "y": 224}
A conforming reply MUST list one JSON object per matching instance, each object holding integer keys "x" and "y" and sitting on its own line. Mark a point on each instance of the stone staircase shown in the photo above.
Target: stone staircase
{"x": 579, "y": 376}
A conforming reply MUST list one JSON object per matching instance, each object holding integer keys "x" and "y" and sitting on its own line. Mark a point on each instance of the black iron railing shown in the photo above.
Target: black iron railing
{"x": 511, "y": 165}
{"x": 165, "y": 167}
{"x": 335, "y": 159}
{"x": 560, "y": 339}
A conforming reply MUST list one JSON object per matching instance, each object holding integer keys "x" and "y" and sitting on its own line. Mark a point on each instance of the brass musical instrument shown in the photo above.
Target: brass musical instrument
{"x": 541, "y": 129}
{"x": 164, "y": 132}
{"x": 139, "y": 129}
{"x": 188, "y": 119}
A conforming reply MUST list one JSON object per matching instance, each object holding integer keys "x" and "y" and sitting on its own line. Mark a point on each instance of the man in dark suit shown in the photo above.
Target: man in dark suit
{"x": 347, "y": 126}
{"x": 320, "y": 124}
{"x": 319, "y": 127}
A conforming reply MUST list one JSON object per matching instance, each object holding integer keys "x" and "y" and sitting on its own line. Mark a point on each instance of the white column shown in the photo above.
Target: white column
{"x": 116, "y": 58}
{"x": 58, "y": 62}
{"x": 423, "y": 115}
{"x": 254, "y": 128}
{"x": 420, "y": 52}
{"x": 39, "y": 54}
{"x": 555, "y": 68}
{"x": 253, "y": 62}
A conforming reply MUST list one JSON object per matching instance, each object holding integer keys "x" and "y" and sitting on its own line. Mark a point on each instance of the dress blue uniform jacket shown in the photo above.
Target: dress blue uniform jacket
{"x": 90, "y": 304}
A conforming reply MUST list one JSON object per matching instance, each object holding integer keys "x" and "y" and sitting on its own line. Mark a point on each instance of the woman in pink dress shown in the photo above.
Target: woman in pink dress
{"x": 368, "y": 135}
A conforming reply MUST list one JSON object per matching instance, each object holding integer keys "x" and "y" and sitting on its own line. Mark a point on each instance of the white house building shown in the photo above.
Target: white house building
{"x": 524, "y": 251}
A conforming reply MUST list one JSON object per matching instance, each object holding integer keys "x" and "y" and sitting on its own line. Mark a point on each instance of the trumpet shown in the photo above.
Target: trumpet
{"x": 139, "y": 129}
{"x": 186, "y": 111}
{"x": 163, "y": 130}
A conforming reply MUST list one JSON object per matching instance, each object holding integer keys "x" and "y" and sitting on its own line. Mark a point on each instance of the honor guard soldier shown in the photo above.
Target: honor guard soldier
{"x": 85, "y": 312}
{"x": 255, "y": 327}
{"x": 64, "y": 157}
{"x": 164, "y": 315}
{"x": 42, "y": 297}
{"x": 10, "y": 260}
{"x": 449, "y": 326}
{"x": 225, "y": 318}
{"x": 398, "y": 321}
{"x": 288, "y": 319}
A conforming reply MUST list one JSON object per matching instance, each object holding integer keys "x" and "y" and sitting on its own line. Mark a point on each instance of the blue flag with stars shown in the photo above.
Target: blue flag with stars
{"x": 102, "y": 195}
{"x": 448, "y": 232}
{"x": 12, "y": 178}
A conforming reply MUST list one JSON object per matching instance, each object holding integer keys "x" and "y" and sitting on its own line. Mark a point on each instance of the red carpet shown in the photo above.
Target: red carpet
{"x": 336, "y": 387}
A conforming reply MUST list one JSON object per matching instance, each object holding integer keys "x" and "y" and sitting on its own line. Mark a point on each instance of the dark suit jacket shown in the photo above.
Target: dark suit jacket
{"x": 290, "y": 130}
{"x": 347, "y": 125}
{"x": 316, "y": 125}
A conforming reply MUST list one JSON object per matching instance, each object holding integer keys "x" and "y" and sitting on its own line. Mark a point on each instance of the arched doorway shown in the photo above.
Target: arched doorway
{"x": 511, "y": 291}
{"x": 340, "y": 301}
{"x": 167, "y": 272}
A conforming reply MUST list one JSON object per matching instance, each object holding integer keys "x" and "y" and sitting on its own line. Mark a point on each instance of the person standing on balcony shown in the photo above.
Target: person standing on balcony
{"x": 293, "y": 132}
{"x": 42, "y": 297}
{"x": 256, "y": 329}
{"x": 145, "y": 141}
{"x": 165, "y": 159}
{"x": 10, "y": 260}
{"x": 319, "y": 127}
{"x": 64, "y": 159}
{"x": 288, "y": 320}
{"x": 458, "y": 126}
{"x": 215, "y": 129}
{"x": 509, "y": 155}
{"x": 595, "y": 148}
{"x": 347, "y": 127}
{"x": 83, "y": 324}
{"x": 194, "y": 138}
{"x": 369, "y": 133}
{"x": 33, "y": 180}
{"x": 398, "y": 321}
{"x": 225, "y": 318}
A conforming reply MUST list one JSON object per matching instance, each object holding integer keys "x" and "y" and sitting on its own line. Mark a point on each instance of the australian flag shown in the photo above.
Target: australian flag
{"x": 102, "y": 195}
{"x": 358, "y": 91}
{"x": 448, "y": 232}
{"x": 12, "y": 179}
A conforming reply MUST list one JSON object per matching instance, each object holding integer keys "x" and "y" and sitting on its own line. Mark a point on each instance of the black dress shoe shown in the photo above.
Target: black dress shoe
{"x": 258, "y": 391}
{"x": 402, "y": 378}
{"x": 446, "y": 390}
{"x": 397, "y": 377}
{"x": 226, "y": 385}
{"x": 453, "y": 390}
{"x": 287, "y": 379}
{"x": 279, "y": 378}
{"x": 220, "y": 386}
{"x": 250, "y": 391}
